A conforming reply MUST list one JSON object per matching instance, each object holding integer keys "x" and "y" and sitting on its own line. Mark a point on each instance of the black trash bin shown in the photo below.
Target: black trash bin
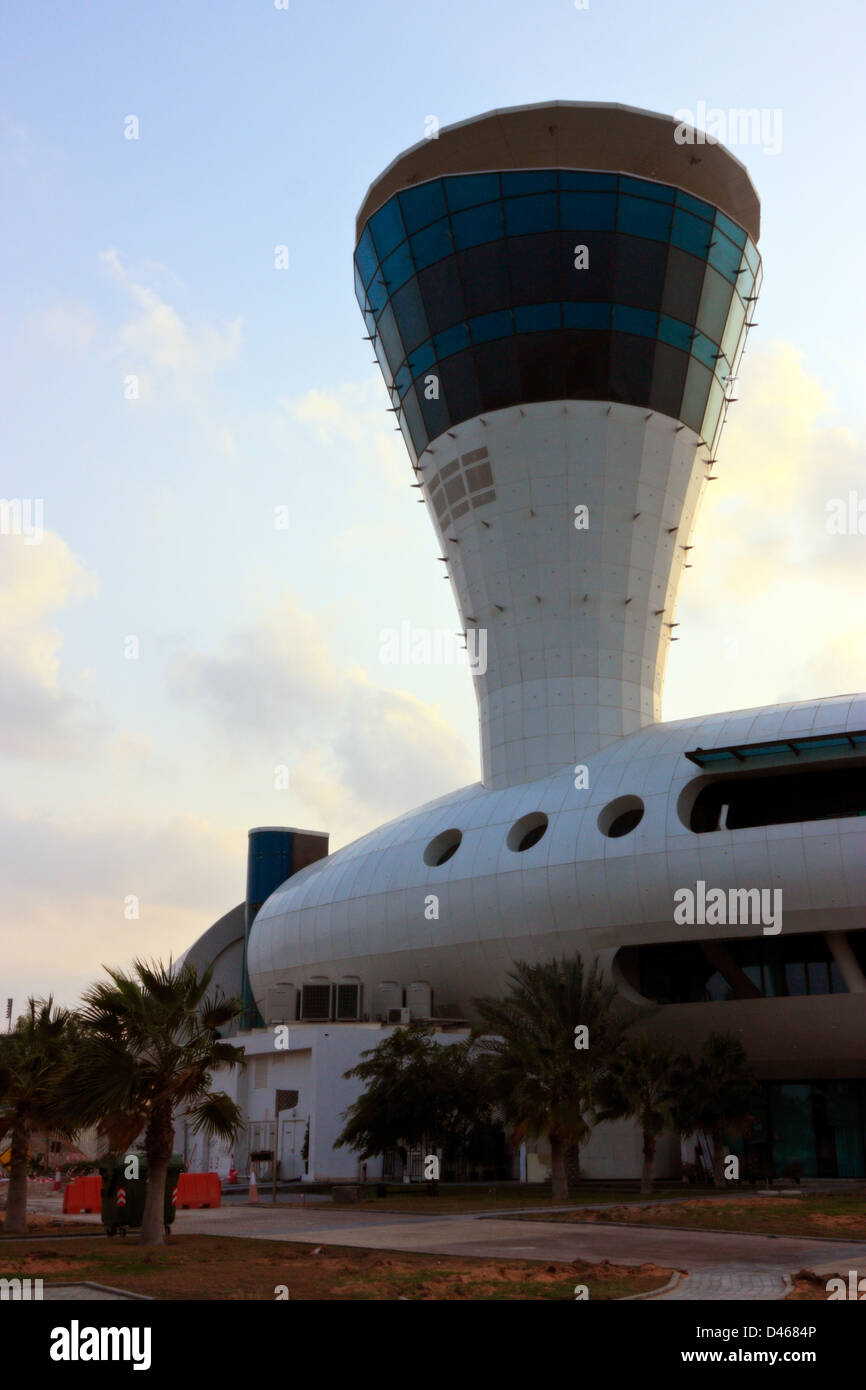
{"x": 123, "y": 1197}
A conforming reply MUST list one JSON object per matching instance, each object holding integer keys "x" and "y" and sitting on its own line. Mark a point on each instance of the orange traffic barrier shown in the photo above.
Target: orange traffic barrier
{"x": 198, "y": 1190}
{"x": 83, "y": 1194}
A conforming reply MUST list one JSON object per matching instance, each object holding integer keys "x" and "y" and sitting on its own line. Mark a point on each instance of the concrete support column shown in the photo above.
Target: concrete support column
{"x": 847, "y": 962}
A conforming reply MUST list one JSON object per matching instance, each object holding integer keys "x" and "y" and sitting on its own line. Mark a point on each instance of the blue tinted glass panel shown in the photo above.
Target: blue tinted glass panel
{"x": 576, "y": 180}
{"x": 714, "y": 305}
{"x": 695, "y": 395}
{"x": 576, "y": 315}
{"x": 643, "y": 188}
{"x": 387, "y": 228}
{"x": 359, "y": 289}
{"x": 730, "y": 229}
{"x": 745, "y": 279}
{"x": 366, "y": 256}
{"x": 422, "y": 358}
{"x": 751, "y": 253}
{"x": 435, "y": 411}
{"x": 432, "y": 244}
{"x": 733, "y": 327}
{"x": 390, "y": 337}
{"x": 464, "y": 190}
{"x": 409, "y": 312}
{"x": 691, "y": 233}
{"x": 489, "y": 326}
{"x": 477, "y": 225}
{"x": 679, "y": 335}
{"x": 795, "y": 977}
{"x": 534, "y": 214}
{"x": 535, "y": 318}
{"x": 384, "y": 365}
{"x": 695, "y": 205}
{"x": 642, "y": 218}
{"x": 713, "y": 410}
{"x": 397, "y": 268}
{"x": 588, "y": 211}
{"x": 641, "y": 321}
{"x": 412, "y": 416}
{"x": 724, "y": 256}
{"x": 705, "y": 350}
{"x": 377, "y": 295}
{"x": 528, "y": 181}
{"x": 422, "y": 205}
{"x": 452, "y": 340}
{"x": 403, "y": 380}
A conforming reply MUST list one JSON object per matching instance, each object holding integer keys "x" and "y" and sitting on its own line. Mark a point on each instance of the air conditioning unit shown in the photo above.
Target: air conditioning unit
{"x": 399, "y": 1016}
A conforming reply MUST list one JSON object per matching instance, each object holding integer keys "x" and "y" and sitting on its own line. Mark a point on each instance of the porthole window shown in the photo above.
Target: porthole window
{"x": 527, "y": 832}
{"x": 440, "y": 850}
{"x": 620, "y": 817}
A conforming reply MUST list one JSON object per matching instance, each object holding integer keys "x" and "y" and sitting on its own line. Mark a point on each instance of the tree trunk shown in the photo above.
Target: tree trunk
{"x": 158, "y": 1146}
{"x": 558, "y": 1169}
{"x": 572, "y": 1165}
{"x": 649, "y": 1159}
{"x": 16, "y": 1193}
{"x": 718, "y": 1159}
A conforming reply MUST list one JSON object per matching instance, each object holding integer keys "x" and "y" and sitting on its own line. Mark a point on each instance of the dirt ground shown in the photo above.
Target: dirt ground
{"x": 812, "y": 1214}
{"x": 810, "y": 1287}
{"x": 217, "y": 1267}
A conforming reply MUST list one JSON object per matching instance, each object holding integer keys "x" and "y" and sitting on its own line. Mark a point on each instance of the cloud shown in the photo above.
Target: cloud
{"x": 38, "y": 719}
{"x": 72, "y": 885}
{"x": 773, "y": 608}
{"x": 352, "y": 414}
{"x": 70, "y": 328}
{"x": 157, "y": 343}
{"x": 355, "y": 753}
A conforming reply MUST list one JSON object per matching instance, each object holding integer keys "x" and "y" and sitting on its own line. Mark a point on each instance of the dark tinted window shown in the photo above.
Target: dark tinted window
{"x": 631, "y": 363}
{"x": 668, "y": 379}
{"x": 442, "y": 296}
{"x": 595, "y": 282}
{"x": 461, "y": 386}
{"x": 683, "y": 283}
{"x": 497, "y": 374}
{"x": 533, "y": 263}
{"x": 640, "y": 272}
{"x": 539, "y": 359}
{"x": 484, "y": 273}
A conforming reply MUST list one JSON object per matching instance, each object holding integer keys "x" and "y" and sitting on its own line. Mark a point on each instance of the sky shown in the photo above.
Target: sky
{"x": 193, "y": 646}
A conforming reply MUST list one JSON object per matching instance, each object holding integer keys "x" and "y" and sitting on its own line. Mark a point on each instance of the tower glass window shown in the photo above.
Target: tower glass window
{"x": 474, "y": 277}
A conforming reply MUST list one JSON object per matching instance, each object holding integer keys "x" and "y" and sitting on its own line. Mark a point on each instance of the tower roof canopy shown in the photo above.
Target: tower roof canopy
{"x": 575, "y": 135}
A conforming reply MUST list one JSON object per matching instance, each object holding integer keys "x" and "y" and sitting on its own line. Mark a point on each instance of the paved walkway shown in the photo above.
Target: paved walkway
{"x": 715, "y": 1265}
{"x": 719, "y": 1266}
{"x": 89, "y": 1293}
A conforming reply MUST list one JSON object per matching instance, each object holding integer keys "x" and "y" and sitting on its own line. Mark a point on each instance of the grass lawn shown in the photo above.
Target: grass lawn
{"x": 414, "y": 1200}
{"x": 842, "y": 1216}
{"x": 220, "y": 1267}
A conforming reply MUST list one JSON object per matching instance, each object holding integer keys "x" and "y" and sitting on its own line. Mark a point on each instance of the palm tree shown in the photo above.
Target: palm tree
{"x": 640, "y": 1083}
{"x": 149, "y": 1041}
{"x": 716, "y": 1093}
{"x": 30, "y": 1060}
{"x": 544, "y": 1081}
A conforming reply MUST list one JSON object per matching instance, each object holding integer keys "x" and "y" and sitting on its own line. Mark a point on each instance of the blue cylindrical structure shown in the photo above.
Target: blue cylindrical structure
{"x": 269, "y": 863}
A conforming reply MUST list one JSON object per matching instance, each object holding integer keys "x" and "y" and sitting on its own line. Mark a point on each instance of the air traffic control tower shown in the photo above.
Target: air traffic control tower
{"x": 558, "y": 296}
